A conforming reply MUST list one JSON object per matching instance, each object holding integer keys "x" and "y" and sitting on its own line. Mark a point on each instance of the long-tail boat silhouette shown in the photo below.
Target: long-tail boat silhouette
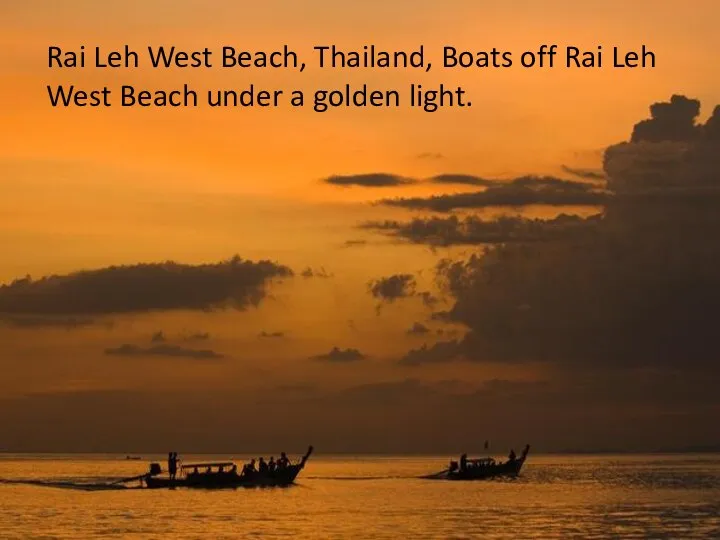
{"x": 221, "y": 475}
{"x": 482, "y": 468}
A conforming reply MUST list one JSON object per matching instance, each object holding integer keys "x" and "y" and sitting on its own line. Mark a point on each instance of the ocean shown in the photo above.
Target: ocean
{"x": 556, "y": 496}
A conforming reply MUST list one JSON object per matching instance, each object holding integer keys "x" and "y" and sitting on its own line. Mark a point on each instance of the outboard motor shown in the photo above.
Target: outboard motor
{"x": 155, "y": 469}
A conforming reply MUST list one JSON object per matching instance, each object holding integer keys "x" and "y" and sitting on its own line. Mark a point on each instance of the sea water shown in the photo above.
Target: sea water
{"x": 556, "y": 496}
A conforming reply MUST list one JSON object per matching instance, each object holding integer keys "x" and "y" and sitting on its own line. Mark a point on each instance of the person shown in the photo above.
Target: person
{"x": 249, "y": 468}
{"x": 172, "y": 465}
{"x": 512, "y": 456}
{"x": 233, "y": 469}
{"x": 463, "y": 462}
{"x": 271, "y": 464}
{"x": 283, "y": 461}
{"x": 262, "y": 466}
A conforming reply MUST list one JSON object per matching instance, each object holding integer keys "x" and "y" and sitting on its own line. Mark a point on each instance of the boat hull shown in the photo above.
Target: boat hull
{"x": 485, "y": 473}
{"x": 282, "y": 478}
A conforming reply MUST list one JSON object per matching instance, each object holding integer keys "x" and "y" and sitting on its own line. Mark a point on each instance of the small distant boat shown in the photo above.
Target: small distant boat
{"x": 222, "y": 475}
{"x": 482, "y": 469}
{"x": 133, "y": 458}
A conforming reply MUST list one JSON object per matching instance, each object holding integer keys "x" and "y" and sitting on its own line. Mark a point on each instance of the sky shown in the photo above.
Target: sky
{"x": 380, "y": 278}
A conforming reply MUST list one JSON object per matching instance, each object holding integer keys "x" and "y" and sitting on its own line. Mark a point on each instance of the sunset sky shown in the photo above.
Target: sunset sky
{"x": 367, "y": 330}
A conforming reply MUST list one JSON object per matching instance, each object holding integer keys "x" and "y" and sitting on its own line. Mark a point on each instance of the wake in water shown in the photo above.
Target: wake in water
{"x": 83, "y": 484}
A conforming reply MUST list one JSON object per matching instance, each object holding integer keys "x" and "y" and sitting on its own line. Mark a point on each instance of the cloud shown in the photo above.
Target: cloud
{"x": 162, "y": 350}
{"x": 442, "y": 351}
{"x": 355, "y": 243}
{"x": 340, "y": 356}
{"x": 369, "y": 180}
{"x": 42, "y": 321}
{"x": 430, "y": 155}
{"x": 670, "y": 121}
{"x": 464, "y": 179}
{"x": 315, "y": 273}
{"x": 140, "y": 288}
{"x": 391, "y": 288}
{"x": 587, "y": 174}
{"x": 522, "y": 191}
{"x": 453, "y": 230}
{"x": 640, "y": 288}
{"x": 274, "y": 335}
{"x": 197, "y": 336}
{"x": 417, "y": 329}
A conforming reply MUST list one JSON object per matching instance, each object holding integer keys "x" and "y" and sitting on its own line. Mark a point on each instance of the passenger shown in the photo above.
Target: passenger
{"x": 463, "y": 462}
{"x": 208, "y": 470}
{"x": 271, "y": 464}
{"x": 283, "y": 462}
{"x": 249, "y": 468}
{"x": 511, "y": 456}
{"x": 221, "y": 469}
{"x": 195, "y": 470}
{"x": 233, "y": 469}
{"x": 172, "y": 465}
{"x": 262, "y": 466}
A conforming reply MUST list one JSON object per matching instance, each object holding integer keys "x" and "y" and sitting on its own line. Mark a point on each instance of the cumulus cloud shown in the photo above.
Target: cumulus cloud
{"x": 452, "y": 230}
{"x": 391, "y": 288}
{"x": 522, "y": 191}
{"x": 176, "y": 351}
{"x": 340, "y": 356}
{"x": 418, "y": 329}
{"x": 369, "y": 180}
{"x": 234, "y": 283}
{"x": 672, "y": 120}
{"x": 638, "y": 289}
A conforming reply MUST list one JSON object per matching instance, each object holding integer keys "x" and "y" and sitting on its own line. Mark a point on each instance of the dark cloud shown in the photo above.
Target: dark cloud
{"x": 42, "y": 321}
{"x": 391, "y": 288}
{"x": 463, "y": 179}
{"x": 315, "y": 273}
{"x": 355, "y": 243}
{"x": 163, "y": 350}
{"x": 442, "y": 351}
{"x": 587, "y": 174}
{"x": 638, "y": 289}
{"x": 452, "y": 230}
{"x": 197, "y": 336}
{"x": 143, "y": 287}
{"x": 430, "y": 155}
{"x": 369, "y": 180}
{"x": 274, "y": 335}
{"x": 670, "y": 121}
{"x": 429, "y": 299}
{"x": 340, "y": 356}
{"x": 418, "y": 329}
{"x": 523, "y": 191}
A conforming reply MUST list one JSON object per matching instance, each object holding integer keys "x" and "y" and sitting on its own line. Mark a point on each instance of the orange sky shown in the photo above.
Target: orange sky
{"x": 88, "y": 188}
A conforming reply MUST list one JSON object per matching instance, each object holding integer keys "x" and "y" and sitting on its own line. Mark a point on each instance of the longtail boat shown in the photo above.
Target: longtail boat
{"x": 482, "y": 469}
{"x": 222, "y": 475}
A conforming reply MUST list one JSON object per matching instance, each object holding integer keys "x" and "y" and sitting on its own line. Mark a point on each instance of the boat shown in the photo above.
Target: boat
{"x": 222, "y": 475}
{"x": 133, "y": 458}
{"x": 482, "y": 468}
